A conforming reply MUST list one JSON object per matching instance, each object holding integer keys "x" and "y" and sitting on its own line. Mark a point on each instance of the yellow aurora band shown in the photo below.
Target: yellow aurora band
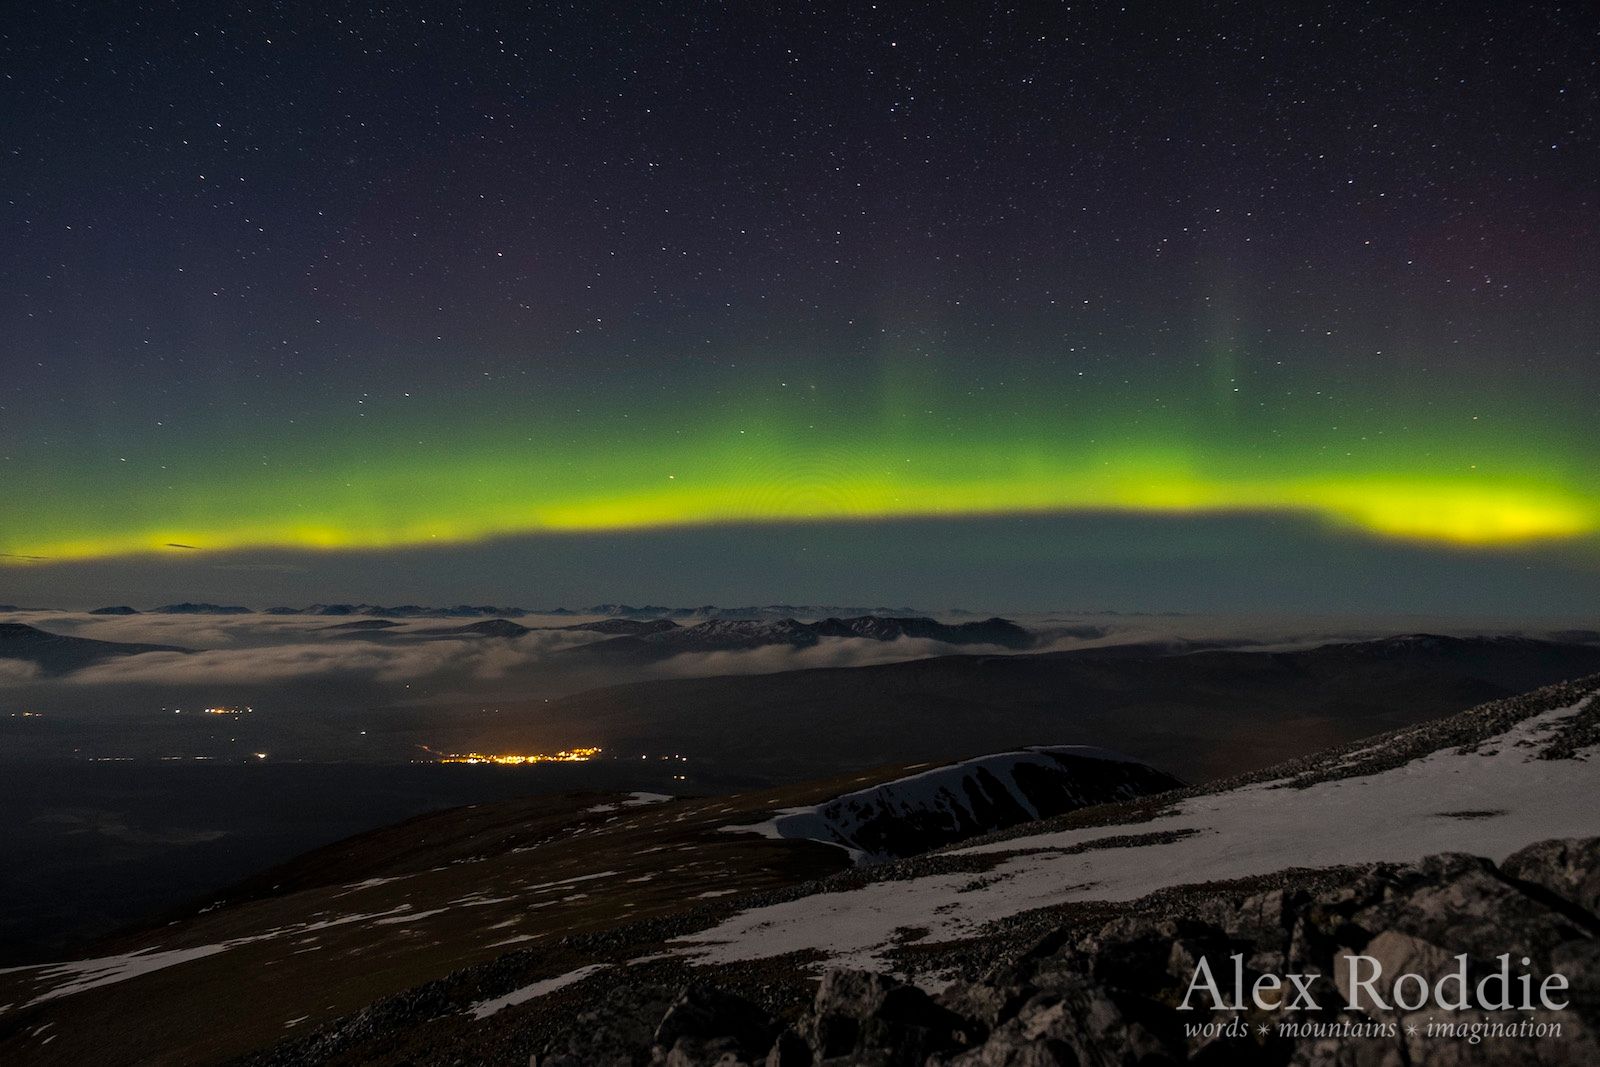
{"x": 400, "y": 507}
{"x": 1466, "y": 513}
{"x": 481, "y": 472}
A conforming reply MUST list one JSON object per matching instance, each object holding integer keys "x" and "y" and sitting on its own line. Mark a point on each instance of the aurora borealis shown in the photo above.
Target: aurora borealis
{"x": 305, "y": 282}
{"x": 798, "y": 453}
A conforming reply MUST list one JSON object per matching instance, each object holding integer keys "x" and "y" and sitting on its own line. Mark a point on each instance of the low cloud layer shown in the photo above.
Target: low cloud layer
{"x": 828, "y": 652}
{"x": 16, "y": 671}
{"x": 274, "y": 650}
{"x": 384, "y": 662}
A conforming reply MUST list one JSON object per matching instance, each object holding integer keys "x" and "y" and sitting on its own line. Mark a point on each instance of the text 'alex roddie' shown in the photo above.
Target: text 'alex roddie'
{"x": 1367, "y": 988}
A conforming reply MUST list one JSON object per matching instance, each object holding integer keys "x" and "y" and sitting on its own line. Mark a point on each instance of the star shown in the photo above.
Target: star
{"x": 1274, "y": 390}
{"x": 1411, "y": 1030}
{"x": 1263, "y": 1029}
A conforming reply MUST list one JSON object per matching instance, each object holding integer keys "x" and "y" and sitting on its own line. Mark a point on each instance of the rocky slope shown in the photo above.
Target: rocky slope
{"x": 610, "y": 934}
{"x": 376, "y": 915}
{"x": 1114, "y": 992}
{"x": 1073, "y": 940}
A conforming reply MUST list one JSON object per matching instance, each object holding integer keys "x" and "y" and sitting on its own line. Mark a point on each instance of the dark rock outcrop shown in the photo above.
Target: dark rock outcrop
{"x": 707, "y": 1024}
{"x": 1112, "y": 995}
{"x": 617, "y": 1031}
{"x": 1568, "y": 869}
{"x": 861, "y": 1017}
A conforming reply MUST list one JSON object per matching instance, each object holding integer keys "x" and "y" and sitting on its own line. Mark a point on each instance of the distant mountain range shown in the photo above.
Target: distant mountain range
{"x": 192, "y": 609}
{"x": 387, "y": 628}
{"x": 486, "y": 611}
{"x": 646, "y": 640}
{"x": 625, "y": 627}
{"x": 731, "y": 635}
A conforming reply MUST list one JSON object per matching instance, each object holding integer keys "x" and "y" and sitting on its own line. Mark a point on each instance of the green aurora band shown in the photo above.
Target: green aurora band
{"x": 906, "y": 440}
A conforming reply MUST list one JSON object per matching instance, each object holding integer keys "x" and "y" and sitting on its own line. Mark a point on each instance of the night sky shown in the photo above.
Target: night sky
{"x": 1145, "y": 304}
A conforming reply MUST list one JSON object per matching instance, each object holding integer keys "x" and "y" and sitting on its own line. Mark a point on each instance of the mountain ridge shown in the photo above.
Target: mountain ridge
{"x": 731, "y": 635}
{"x": 1075, "y": 933}
{"x": 56, "y": 653}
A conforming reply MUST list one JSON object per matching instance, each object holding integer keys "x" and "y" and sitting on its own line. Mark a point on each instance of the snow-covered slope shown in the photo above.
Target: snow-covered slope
{"x": 946, "y": 804}
{"x": 1488, "y": 782}
{"x": 492, "y": 932}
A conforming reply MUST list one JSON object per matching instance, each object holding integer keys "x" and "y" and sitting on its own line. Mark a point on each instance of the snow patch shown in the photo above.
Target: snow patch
{"x": 540, "y": 887}
{"x": 944, "y": 800}
{"x": 636, "y": 799}
{"x": 81, "y": 975}
{"x": 412, "y": 917}
{"x": 519, "y": 939}
{"x": 1387, "y": 816}
{"x": 485, "y": 1008}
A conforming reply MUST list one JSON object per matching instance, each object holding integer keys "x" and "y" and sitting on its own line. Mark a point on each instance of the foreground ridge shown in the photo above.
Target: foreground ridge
{"x": 1074, "y": 940}
{"x": 1113, "y": 992}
